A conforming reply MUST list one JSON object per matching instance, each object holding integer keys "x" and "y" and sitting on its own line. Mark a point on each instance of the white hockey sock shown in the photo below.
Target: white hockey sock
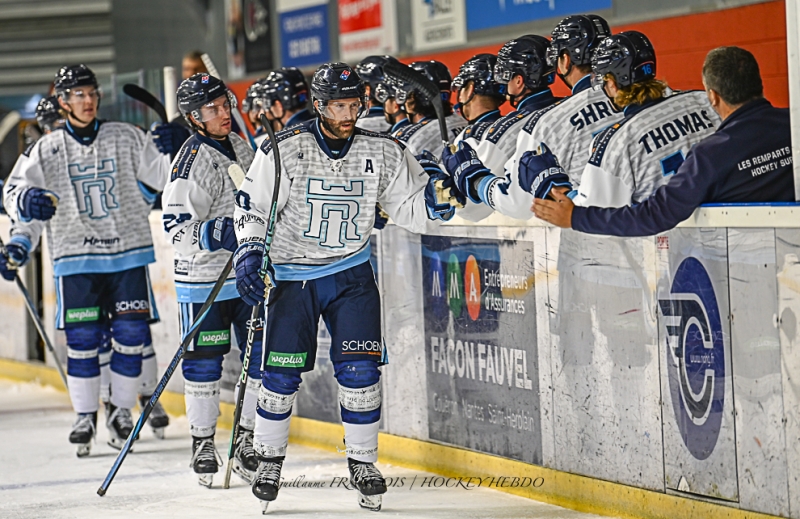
{"x": 248, "y": 418}
{"x": 361, "y": 441}
{"x": 84, "y": 393}
{"x": 202, "y": 407}
{"x": 149, "y": 377}
{"x": 105, "y": 376}
{"x": 271, "y": 437}
{"x": 124, "y": 390}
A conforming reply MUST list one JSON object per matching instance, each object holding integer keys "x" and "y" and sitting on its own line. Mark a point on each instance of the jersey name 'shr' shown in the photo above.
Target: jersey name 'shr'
{"x": 590, "y": 114}
{"x": 672, "y": 131}
{"x": 94, "y": 189}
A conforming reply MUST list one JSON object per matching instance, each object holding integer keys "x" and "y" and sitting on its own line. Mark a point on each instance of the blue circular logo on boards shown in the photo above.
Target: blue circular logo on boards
{"x": 695, "y": 357}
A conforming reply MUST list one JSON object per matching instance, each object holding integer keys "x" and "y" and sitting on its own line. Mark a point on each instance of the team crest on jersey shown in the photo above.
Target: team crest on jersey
{"x": 334, "y": 208}
{"x": 94, "y": 188}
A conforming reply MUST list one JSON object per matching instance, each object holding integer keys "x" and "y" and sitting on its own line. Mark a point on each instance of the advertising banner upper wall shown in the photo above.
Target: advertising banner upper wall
{"x": 366, "y": 27}
{"x": 485, "y": 14}
{"x": 304, "y": 32}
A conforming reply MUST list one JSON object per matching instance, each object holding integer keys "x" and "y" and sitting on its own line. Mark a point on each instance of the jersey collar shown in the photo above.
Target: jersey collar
{"x": 84, "y": 136}
{"x": 317, "y": 132}
{"x": 216, "y": 145}
{"x": 537, "y": 101}
{"x": 375, "y": 111}
{"x": 584, "y": 83}
{"x": 744, "y": 109}
{"x": 400, "y": 124}
{"x": 632, "y": 110}
{"x": 488, "y": 117}
{"x": 300, "y": 117}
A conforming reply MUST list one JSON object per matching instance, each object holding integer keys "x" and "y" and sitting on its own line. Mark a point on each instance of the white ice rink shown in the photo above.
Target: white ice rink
{"x": 40, "y": 476}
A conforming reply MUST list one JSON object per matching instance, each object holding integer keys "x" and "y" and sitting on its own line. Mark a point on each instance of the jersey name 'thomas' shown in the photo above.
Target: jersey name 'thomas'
{"x": 326, "y": 206}
{"x": 201, "y": 189}
{"x": 426, "y": 134}
{"x": 567, "y": 128}
{"x": 106, "y": 190}
{"x": 632, "y": 158}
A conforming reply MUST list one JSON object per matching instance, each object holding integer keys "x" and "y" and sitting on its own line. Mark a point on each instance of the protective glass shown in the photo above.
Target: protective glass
{"x": 220, "y": 107}
{"x": 83, "y": 94}
{"x": 502, "y": 73}
{"x": 342, "y": 110}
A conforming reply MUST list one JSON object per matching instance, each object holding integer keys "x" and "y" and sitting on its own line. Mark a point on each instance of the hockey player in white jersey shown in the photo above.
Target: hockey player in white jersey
{"x": 566, "y": 127}
{"x": 478, "y": 96}
{"x": 198, "y": 218}
{"x": 523, "y": 68}
{"x": 104, "y": 177}
{"x": 253, "y": 105}
{"x": 633, "y": 157}
{"x": 423, "y": 134}
{"x": 287, "y": 98}
{"x": 332, "y": 175}
{"x": 370, "y": 70}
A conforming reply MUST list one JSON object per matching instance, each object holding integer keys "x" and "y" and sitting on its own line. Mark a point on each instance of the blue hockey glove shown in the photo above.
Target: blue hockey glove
{"x": 7, "y": 269}
{"x": 381, "y": 218}
{"x": 218, "y": 234}
{"x": 540, "y": 172}
{"x": 437, "y": 208}
{"x": 466, "y": 169}
{"x": 247, "y": 262}
{"x": 18, "y": 250}
{"x": 38, "y": 204}
{"x": 169, "y": 137}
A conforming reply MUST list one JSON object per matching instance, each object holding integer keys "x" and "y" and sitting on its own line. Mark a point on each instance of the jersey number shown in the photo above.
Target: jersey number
{"x": 671, "y": 163}
{"x": 170, "y": 220}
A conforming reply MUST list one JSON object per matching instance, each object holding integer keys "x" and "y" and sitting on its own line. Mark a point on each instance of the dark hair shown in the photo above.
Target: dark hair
{"x": 733, "y": 73}
{"x": 194, "y": 55}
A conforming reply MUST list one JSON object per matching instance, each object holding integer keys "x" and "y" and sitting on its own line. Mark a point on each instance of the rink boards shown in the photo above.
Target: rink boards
{"x": 664, "y": 363}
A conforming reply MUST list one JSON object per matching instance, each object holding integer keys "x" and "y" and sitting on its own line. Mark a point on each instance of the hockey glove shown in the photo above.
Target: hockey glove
{"x": 466, "y": 169}
{"x": 540, "y": 172}
{"x": 247, "y": 262}
{"x": 17, "y": 250}
{"x": 169, "y": 137}
{"x": 37, "y": 204}
{"x": 7, "y": 269}
{"x": 437, "y": 210}
{"x": 218, "y": 234}
{"x": 381, "y": 218}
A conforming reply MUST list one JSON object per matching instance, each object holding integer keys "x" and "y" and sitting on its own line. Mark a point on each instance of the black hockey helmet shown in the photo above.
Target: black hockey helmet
{"x": 73, "y": 76}
{"x": 437, "y": 72}
{"x": 48, "y": 113}
{"x": 336, "y": 81}
{"x": 255, "y": 93}
{"x": 287, "y": 85}
{"x": 526, "y": 56}
{"x": 370, "y": 70}
{"x": 480, "y": 70}
{"x": 198, "y": 90}
{"x": 578, "y": 36}
{"x": 628, "y": 56}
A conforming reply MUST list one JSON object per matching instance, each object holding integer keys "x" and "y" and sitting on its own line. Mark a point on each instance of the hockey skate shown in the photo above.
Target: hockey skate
{"x": 245, "y": 463}
{"x": 205, "y": 460}
{"x": 158, "y": 419}
{"x": 267, "y": 480}
{"x": 83, "y": 431}
{"x": 120, "y": 425}
{"x": 369, "y": 482}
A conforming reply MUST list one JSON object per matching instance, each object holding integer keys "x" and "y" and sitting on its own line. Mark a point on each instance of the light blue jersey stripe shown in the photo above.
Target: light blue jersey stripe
{"x": 290, "y": 272}
{"x": 103, "y": 263}
{"x": 199, "y": 292}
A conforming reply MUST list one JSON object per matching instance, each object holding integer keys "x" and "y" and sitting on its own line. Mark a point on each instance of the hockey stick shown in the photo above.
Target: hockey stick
{"x": 143, "y": 96}
{"x": 162, "y": 384}
{"x": 422, "y": 84}
{"x": 251, "y": 330}
{"x": 234, "y": 110}
{"x": 37, "y": 321}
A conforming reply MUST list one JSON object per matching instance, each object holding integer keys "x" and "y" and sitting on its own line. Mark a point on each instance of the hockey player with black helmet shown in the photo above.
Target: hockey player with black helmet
{"x": 198, "y": 220}
{"x": 629, "y": 160}
{"x": 106, "y": 176}
{"x": 370, "y": 70}
{"x": 566, "y": 127}
{"x": 423, "y": 134}
{"x": 253, "y": 105}
{"x": 390, "y": 93}
{"x": 478, "y": 95}
{"x": 523, "y": 69}
{"x": 332, "y": 176}
{"x": 286, "y": 99}
{"x": 48, "y": 114}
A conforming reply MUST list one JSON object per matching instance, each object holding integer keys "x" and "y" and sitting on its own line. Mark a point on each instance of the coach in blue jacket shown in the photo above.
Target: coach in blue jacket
{"x": 748, "y": 159}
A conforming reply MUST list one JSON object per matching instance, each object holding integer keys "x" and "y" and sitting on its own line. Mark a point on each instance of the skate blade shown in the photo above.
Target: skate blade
{"x": 158, "y": 432}
{"x": 242, "y": 472}
{"x": 264, "y": 506}
{"x": 117, "y": 443}
{"x": 205, "y": 480}
{"x": 84, "y": 450}
{"x": 370, "y": 502}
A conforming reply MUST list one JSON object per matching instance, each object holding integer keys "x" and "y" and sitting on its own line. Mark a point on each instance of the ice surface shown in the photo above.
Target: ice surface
{"x": 40, "y": 476}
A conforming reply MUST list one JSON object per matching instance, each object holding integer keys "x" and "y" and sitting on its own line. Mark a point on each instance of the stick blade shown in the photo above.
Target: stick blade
{"x": 143, "y": 96}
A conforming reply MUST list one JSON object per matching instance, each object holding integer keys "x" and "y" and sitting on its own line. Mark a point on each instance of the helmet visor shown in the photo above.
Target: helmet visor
{"x": 219, "y": 107}
{"x": 342, "y": 110}
{"x": 83, "y": 94}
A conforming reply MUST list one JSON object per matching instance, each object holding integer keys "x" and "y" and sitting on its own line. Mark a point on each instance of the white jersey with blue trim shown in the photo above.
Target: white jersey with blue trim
{"x": 426, "y": 134}
{"x": 567, "y": 128}
{"x": 374, "y": 121}
{"x": 201, "y": 189}
{"x": 106, "y": 190}
{"x": 632, "y": 158}
{"x": 326, "y": 205}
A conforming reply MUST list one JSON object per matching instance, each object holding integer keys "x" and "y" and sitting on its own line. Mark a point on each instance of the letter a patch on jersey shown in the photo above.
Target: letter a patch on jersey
{"x": 369, "y": 166}
{"x": 334, "y": 208}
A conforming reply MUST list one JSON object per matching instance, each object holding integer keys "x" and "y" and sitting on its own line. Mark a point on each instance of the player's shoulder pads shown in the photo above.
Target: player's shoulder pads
{"x": 186, "y": 157}
{"x": 404, "y": 134}
{"x": 602, "y": 141}
{"x": 530, "y": 124}
{"x": 502, "y": 125}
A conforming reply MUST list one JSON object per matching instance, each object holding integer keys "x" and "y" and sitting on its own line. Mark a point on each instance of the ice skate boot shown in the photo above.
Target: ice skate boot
{"x": 267, "y": 480}
{"x": 369, "y": 482}
{"x": 245, "y": 463}
{"x": 205, "y": 460}
{"x": 158, "y": 419}
{"x": 83, "y": 431}
{"x": 120, "y": 425}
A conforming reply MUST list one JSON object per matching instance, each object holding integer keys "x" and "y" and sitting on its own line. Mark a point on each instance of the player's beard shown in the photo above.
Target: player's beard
{"x": 335, "y": 127}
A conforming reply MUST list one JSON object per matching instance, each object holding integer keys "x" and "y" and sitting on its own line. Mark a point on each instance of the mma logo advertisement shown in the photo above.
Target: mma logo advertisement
{"x": 480, "y": 344}
{"x": 695, "y": 357}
